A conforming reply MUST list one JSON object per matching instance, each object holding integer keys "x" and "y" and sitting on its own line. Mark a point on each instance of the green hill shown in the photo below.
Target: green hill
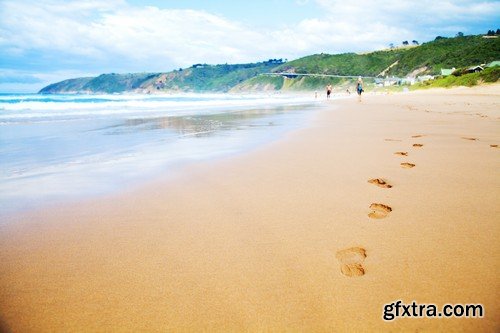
{"x": 427, "y": 58}
{"x": 66, "y": 86}
{"x": 210, "y": 78}
{"x": 105, "y": 83}
{"x": 198, "y": 78}
{"x": 278, "y": 82}
{"x": 447, "y": 53}
{"x": 441, "y": 53}
{"x": 370, "y": 64}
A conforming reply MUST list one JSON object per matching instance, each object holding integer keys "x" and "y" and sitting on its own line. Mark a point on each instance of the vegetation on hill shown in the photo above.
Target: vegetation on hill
{"x": 428, "y": 58}
{"x": 202, "y": 78}
{"x": 71, "y": 85}
{"x": 261, "y": 83}
{"x": 197, "y": 78}
{"x": 440, "y": 53}
{"x": 112, "y": 83}
{"x": 370, "y": 64}
{"x": 447, "y": 53}
{"x": 105, "y": 83}
{"x": 489, "y": 75}
{"x": 300, "y": 83}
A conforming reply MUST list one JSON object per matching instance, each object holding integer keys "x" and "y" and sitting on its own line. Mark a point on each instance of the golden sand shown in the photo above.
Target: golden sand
{"x": 280, "y": 238}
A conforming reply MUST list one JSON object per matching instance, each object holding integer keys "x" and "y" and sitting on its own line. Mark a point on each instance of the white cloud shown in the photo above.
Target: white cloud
{"x": 122, "y": 32}
{"x": 418, "y": 15}
{"x": 365, "y": 25}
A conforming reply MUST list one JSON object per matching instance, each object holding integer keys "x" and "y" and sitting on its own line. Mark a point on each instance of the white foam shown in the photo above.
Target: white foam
{"x": 46, "y": 107}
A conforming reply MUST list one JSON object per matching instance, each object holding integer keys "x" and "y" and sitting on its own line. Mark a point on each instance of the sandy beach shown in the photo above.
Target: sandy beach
{"x": 291, "y": 236}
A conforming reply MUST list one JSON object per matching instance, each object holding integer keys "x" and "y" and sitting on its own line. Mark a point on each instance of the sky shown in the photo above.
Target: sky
{"x": 46, "y": 41}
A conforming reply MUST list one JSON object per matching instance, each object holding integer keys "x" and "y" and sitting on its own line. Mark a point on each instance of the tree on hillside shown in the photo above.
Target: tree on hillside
{"x": 491, "y": 33}
{"x": 498, "y": 32}
{"x": 414, "y": 42}
{"x": 405, "y": 42}
{"x": 439, "y": 37}
{"x": 391, "y": 46}
{"x": 460, "y": 34}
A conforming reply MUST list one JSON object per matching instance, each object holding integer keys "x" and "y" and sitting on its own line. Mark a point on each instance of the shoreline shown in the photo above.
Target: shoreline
{"x": 109, "y": 154}
{"x": 251, "y": 242}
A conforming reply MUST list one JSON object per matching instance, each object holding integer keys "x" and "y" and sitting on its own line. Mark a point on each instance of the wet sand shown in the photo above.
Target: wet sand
{"x": 299, "y": 235}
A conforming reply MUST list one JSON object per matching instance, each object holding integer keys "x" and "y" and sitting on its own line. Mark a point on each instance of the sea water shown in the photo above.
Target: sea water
{"x": 63, "y": 147}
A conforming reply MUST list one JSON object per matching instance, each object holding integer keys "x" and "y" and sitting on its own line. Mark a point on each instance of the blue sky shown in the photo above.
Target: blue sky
{"x": 44, "y": 41}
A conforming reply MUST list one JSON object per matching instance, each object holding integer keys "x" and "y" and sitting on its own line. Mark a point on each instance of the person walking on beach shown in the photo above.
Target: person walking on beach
{"x": 328, "y": 91}
{"x": 359, "y": 87}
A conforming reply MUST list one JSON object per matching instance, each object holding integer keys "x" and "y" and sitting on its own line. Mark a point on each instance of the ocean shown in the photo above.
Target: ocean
{"x": 55, "y": 148}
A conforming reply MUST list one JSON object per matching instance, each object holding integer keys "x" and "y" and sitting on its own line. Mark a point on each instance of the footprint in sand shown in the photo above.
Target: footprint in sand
{"x": 351, "y": 261}
{"x": 417, "y": 136}
{"x": 379, "y": 211}
{"x": 418, "y": 145}
{"x": 407, "y": 165}
{"x": 494, "y": 146}
{"x": 470, "y": 139}
{"x": 401, "y": 153}
{"x": 379, "y": 182}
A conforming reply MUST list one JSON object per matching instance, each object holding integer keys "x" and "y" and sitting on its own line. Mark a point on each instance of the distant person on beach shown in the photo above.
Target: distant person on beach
{"x": 359, "y": 87}
{"x": 328, "y": 91}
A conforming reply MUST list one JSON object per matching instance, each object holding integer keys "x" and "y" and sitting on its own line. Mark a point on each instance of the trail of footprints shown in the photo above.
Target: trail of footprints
{"x": 379, "y": 210}
{"x": 476, "y": 139}
{"x": 351, "y": 259}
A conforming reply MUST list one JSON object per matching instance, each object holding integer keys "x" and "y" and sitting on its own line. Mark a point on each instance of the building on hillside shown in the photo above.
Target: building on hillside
{"x": 409, "y": 80}
{"x": 475, "y": 69}
{"x": 423, "y": 78}
{"x": 388, "y": 81}
{"x": 392, "y": 81}
{"x": 447, "y": 71}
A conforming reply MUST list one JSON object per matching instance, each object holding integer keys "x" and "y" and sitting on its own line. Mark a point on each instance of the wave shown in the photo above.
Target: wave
{"x": 59, "y": 107}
